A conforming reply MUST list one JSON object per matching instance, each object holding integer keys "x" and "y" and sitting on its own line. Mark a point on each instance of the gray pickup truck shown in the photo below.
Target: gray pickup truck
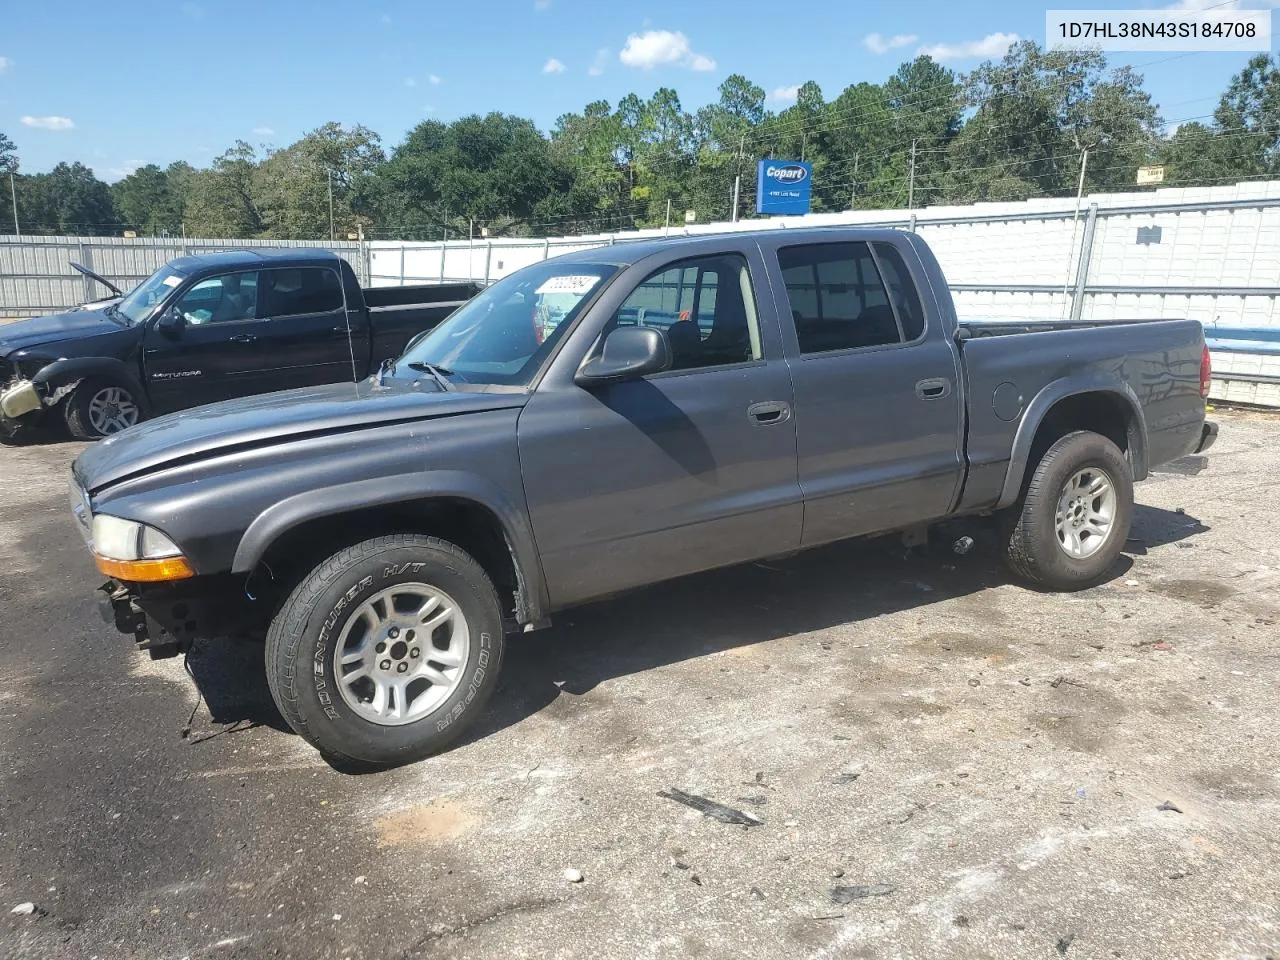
{"x": 605, "y": 420}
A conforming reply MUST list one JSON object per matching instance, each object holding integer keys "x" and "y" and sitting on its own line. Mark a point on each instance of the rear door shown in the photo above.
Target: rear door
{"x": 214, "y": 356}
{"x": 878, "y": 397}
{"x": 307, "y": 336}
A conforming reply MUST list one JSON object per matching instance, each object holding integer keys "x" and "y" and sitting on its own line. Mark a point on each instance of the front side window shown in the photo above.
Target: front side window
{"x": 502, "y": 335}
{"x": 301, "y": 290}
{"x": 704, "y": 306}
{"x": 222, "y": 299}
{"x": 837, "y": 297}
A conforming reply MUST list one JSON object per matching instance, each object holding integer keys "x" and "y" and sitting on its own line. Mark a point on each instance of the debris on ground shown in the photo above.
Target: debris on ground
{"x": 716, "y": 811}
{"x": 960, "y": 920}
{"x": 1131, "y": 583}
{"x": 860, "y": 891}
{"x": 573, "y": 875}
{"x": 1064, "y": 943}
{"x": 757, "y": 800}
{"x": 843, "y": 778}
{"x": 757, "y": 893}
{"x": 963, "y": 545}
{"x": 1162, "y": 645}
{"x": 837, "y": 874}
{"x": 27, "y": 909}
{"x": 1169, "y": 806}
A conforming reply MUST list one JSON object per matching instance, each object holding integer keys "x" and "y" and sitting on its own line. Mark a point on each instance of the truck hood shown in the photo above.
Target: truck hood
{"x": 252, "y": 422}
{"x": 54, "y": 328}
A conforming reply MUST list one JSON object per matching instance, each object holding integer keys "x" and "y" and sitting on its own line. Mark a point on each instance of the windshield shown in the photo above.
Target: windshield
{"x": 142, "y": 299}
{"x": 505, "y": 332}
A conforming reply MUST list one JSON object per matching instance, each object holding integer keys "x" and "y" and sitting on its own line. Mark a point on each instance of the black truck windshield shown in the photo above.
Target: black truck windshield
{"x": 142, "y": 299}
{"x": 505, "y": 332}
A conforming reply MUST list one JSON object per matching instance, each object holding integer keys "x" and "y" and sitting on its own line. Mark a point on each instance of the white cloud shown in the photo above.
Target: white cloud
{"x": 410, "y": 82}
{"x": 119, "y": 173}
{"x": 192, "y": 11}
{"x": 785, "y": 94}
{"x": 992, "y": 45}
{"x": 264, "y": 131}
{"x": 599, "y": 62}
{"x": 48, "y": 123}
{"x": 655, "y": 48}
{"x": 553, "y": 66}
{"x": 541, "y": 4}
{"x": 5, "y": 64}
{"x": 432, "y": 79}
{"x": 879, "y": 44}
{"x": 385, "y": 18}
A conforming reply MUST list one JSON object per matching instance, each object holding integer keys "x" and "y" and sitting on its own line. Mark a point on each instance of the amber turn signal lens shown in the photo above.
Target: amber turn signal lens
{"x": 146, "y": 571}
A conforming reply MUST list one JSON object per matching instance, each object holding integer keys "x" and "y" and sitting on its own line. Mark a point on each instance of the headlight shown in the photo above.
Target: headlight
{"x": 128, "y": 550}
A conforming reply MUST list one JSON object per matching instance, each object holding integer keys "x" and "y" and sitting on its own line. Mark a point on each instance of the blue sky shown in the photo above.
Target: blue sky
{"x": 132, "y": 82}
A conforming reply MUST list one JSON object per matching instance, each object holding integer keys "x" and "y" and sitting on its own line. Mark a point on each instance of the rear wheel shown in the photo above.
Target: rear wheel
{"x": 1070, "y": 526}
{"x": 387, "y": 651}
{"x": 99, "y": 408}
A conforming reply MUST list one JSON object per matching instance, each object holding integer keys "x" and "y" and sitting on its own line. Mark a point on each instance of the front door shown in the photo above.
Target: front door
{"x": 215, "y": 355}
{"x": 692, "y": 468}
{"x": 878, "y": 397}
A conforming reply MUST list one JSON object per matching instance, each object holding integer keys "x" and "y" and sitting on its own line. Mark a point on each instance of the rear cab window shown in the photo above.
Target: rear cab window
{"x": 844, "y": 296}
{"x": 301, "y": 290}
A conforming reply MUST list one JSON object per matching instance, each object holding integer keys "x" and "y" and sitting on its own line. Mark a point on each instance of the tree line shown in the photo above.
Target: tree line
{"x": 1011, "y": 129}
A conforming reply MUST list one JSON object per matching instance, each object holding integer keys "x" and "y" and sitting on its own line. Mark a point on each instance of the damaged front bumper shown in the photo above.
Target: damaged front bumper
{"x": 25, "y": 398}
{"x": 164, "y": 620}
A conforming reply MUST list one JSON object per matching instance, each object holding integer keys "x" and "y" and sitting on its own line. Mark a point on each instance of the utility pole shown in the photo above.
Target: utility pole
{"x": 13, "y": 194}
{"x": 668, "y": 213}
{"x": 853, "y": 199}
{"x": 911, "y": 181}
{"x": 1075, "y": 220}
{"x": 804, "y": 142}
{"x": 737, "y": 178}
{"x": 330, "y": 173}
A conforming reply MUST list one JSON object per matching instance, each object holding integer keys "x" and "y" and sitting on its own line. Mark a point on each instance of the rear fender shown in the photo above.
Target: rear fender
{"x": 1024, "y": 439}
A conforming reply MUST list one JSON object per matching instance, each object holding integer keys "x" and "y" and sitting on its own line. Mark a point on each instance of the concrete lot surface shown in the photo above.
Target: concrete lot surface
{"x": 1012, "y": 774}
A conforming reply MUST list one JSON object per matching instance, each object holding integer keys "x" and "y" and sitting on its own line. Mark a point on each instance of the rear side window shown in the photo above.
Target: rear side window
{"x": 902, "y": 290}
{"x": 302, "y": 290}
{"x": 838, "y": 299}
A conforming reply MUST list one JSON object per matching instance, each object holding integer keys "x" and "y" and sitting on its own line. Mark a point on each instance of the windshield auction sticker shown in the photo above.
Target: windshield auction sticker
{"x": 578, "y": 284}
{"x": 1215, "y": 29}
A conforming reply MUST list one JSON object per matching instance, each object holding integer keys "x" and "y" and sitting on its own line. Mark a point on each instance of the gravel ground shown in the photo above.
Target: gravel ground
{"x": 1003, "y": 773}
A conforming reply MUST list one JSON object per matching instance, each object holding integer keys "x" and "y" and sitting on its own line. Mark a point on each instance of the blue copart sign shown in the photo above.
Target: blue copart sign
{"x": 783, "y": 186}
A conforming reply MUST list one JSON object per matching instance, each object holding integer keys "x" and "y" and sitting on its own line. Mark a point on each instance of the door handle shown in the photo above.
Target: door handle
{"x": 243, "y": 338}
{"x": 939, "y": 388}
{"x": 769, "y": 411}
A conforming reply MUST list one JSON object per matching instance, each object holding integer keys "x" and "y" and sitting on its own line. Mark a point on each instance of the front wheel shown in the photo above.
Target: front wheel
{"x": 387, "y": 651}
{"x": 98, "y": 408}
{"x": 1070, "y": 526}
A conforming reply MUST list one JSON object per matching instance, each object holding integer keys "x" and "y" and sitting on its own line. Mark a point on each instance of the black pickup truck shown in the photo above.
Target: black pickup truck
{"x": 207, "y": 328}
{"x": 605, "y": 420}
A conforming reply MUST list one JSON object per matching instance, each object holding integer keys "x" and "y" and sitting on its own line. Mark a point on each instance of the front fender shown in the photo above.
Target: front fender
{"x": 330, "y": 501}
{"x": 67, "y": 372}
{"x": 1043, "y": 402}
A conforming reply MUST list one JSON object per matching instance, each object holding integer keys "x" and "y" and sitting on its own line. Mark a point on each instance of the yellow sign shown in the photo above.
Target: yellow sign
{"x": 130, "y": 234}
{"x": 1148, "y": 175}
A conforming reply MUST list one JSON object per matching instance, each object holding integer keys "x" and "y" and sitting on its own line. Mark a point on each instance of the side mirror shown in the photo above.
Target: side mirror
{"x": 171, "y": 322}
{"x": 629, "y": 353}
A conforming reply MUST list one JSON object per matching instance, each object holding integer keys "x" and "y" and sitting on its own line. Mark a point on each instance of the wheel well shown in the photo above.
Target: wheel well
{"x": 1102, "y": 413}
{"x": 465, "y": 523}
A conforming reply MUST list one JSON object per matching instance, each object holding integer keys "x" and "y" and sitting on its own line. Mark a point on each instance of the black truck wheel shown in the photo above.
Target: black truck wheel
{"x": 99, "y": 408}
{"x": 1070, "y": 526}
{"x": 387, "y": 651}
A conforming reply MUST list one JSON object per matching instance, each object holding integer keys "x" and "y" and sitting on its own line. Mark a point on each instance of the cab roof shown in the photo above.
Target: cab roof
{"x": 274, "y": 257}
{"x": 628, "y": 252}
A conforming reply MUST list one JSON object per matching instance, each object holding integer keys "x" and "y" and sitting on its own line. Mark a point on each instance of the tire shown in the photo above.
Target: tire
{"x": 1074, "y": 556}
{"x": 356, "y": 598}
{"x": 99, "y": 408}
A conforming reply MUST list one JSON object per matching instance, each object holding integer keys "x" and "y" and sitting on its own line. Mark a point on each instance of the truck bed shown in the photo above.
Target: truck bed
{"x": 1002, "y": 327}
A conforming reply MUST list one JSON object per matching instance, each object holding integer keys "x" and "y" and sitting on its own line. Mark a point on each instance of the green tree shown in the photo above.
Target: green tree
{"x": 147, "y": 201}
{"x": 220, "y": 200}
{"x": 69, "y": 199}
